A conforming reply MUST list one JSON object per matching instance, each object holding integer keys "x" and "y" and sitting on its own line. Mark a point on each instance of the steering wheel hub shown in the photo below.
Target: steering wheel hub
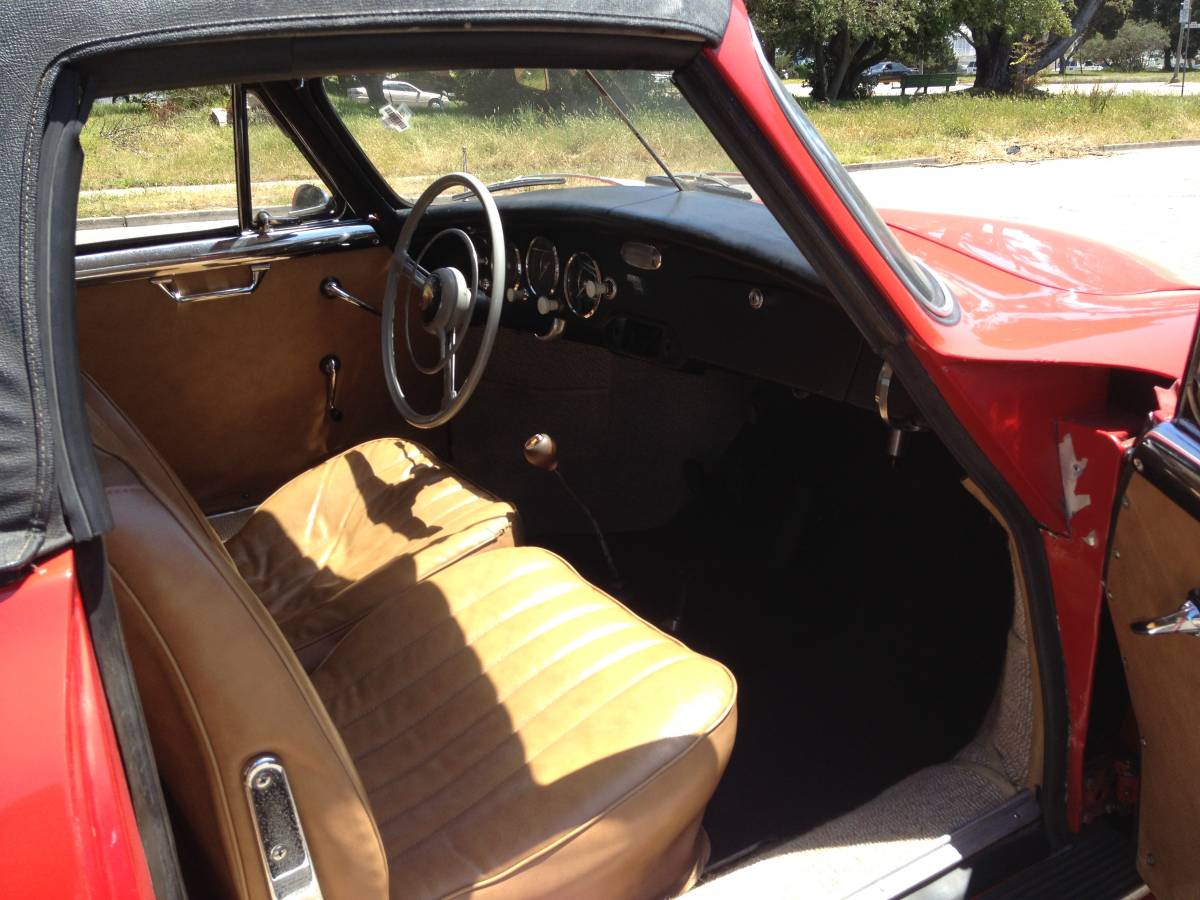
{"x": 445, "y": 301}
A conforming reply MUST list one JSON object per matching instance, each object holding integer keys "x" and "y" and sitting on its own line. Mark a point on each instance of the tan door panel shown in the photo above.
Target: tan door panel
{"x": 230, "y": 391}
{"x": 1154, "y": 565}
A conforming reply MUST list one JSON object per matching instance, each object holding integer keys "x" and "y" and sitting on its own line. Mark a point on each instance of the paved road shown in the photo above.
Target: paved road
{"x": 1145, "y": 201}
{"x": 1192, "y": 87}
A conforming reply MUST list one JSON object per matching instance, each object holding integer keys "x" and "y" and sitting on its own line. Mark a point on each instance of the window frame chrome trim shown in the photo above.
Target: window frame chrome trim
{"x": 205, "y": 253}
{"x": 933, "y": 294}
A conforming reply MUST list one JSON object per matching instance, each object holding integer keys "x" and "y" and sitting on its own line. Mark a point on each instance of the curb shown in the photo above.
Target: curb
{"x": 1151, "y": 145}
{"x": 893, "y": 163}
{"x": 937, "y": 160}
{"x": 134, "y": 221}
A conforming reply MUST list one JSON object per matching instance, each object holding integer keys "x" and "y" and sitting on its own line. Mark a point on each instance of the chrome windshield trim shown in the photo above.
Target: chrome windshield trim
{"x": 933, "y": 294}
{"x": 199, "y": 254}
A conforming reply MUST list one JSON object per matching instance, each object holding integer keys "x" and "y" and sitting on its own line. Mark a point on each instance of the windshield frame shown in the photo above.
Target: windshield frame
{"x": 932, "y": 293}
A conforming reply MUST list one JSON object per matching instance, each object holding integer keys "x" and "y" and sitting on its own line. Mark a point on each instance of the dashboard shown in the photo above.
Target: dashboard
{"x": 684, "y": 279}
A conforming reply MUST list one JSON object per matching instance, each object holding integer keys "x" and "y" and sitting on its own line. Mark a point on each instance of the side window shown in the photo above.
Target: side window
{"x": 283, "y": 183}
{"x": 165, "y": 164}
{"x": 157, "y": 163}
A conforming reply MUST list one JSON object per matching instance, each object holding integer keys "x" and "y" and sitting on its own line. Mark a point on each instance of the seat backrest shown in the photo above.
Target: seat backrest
{"x": 219, "y": 684}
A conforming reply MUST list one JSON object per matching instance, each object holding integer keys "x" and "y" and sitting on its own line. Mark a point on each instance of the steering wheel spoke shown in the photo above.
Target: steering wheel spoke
{"x": 446, "y": 299}
{"x": 449, "y": 391}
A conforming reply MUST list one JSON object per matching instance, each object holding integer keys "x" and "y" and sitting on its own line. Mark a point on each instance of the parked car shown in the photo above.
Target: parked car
{"x": 887, "y": 71}
{"x": 402, "y": 92}
{"x": 906, "y": 500}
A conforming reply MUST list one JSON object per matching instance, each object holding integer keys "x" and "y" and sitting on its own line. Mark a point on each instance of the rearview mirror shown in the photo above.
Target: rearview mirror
{"x": 534, "y": 79}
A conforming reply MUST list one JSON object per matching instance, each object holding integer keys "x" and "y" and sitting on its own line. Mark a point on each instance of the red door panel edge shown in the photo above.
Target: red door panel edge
{"x": 66, "y": 823}
{"x": 1076, "y": 569}
{"x": 1013, "y": 374}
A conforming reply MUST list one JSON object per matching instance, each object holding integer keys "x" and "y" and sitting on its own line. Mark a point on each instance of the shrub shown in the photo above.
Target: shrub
{"x": 1127, "y": 48}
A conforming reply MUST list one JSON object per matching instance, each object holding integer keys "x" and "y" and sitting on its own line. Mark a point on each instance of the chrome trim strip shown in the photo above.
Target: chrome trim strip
{"x": 201, "y": 254}
{"x": 286, "y": 860}
{"x": 1169, "y": 457}
{"x": 952, "y": 849}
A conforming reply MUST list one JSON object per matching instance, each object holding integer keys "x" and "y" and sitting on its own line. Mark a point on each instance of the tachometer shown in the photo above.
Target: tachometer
{"x": 541, "y": 267}
{"x": 584, "y": 286}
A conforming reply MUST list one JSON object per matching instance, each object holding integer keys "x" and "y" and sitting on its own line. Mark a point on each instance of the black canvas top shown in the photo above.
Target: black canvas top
{"x": 41, "y": 40}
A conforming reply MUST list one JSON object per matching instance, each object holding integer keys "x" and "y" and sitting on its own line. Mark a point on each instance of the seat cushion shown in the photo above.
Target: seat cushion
{"x": 386, "y": 502}
{"x": 521, "y": 733}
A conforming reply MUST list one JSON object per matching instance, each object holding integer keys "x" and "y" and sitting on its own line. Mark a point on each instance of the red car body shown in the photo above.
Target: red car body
{"x": 1044, "y": 316}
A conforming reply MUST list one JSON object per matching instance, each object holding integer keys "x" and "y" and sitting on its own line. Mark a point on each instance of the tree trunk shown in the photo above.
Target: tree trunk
{"x": 1168, "y": 59}
{"x": 820, "y": 82}
{"x": 375, "y": 95}
{"x": 1083, "y": 18}
{"x": 844, "y": 55}
{"x": 769, "y": 49}
{"x": 993, "y": 53}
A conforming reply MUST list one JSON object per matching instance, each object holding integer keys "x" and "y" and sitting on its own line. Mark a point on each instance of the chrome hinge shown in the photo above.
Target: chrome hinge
{"x": 285, "y": 856}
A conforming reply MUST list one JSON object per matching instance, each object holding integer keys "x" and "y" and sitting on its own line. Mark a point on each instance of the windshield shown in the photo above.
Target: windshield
{"x": 508, "y": 125}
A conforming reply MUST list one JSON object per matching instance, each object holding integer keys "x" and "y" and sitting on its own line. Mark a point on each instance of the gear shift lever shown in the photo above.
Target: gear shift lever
{"x": 542, "y": 453}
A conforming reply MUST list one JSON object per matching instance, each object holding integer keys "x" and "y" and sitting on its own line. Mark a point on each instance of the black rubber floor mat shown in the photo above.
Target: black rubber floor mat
{"x": 1101, "y": 865}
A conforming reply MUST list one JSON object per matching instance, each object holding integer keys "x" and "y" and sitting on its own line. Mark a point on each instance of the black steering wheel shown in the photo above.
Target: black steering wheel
{"x": 446, "y": 302}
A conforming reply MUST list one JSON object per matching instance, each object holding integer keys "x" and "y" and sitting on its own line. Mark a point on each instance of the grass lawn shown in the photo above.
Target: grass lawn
{"x": 135, "y": 164}
{"x": 1109, "y": 77}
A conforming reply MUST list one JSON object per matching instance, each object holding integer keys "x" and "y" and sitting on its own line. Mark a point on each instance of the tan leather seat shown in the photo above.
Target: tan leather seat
{"x": 386, "y": 502}
{"x": 500, "y": 728}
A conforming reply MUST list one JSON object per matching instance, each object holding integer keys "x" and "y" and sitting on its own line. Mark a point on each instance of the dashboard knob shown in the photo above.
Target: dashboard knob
{"x": 545, "y": 306}
{"x": 516, "y": 295}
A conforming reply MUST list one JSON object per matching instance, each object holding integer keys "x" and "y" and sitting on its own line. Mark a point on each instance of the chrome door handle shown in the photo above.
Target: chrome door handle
{"x": 171, "y": 289}
{"x": 330, "y": 366}
{"x": 1185, "y": 620}
{"x": 332, "y": 288}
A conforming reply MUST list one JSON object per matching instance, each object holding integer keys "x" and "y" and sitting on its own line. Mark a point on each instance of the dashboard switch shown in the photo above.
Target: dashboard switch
{"x": 545, "y": 306}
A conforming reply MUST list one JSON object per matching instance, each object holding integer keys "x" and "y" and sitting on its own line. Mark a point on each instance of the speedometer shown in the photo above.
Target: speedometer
{"x": 584, "y": 286}
{"x": 541, "y": 267}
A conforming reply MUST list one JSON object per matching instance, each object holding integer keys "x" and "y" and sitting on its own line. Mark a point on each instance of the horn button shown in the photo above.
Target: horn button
{"x": 445, "y": 300}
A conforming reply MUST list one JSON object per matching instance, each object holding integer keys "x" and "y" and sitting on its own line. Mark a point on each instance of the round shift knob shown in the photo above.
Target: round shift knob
{"x": 541, "y": 452}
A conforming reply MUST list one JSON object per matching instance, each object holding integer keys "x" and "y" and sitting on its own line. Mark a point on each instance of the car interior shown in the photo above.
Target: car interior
{"x": 626, "y": 569}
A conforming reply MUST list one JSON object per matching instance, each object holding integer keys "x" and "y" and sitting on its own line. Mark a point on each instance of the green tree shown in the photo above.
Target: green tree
{"x": 1128, "y": 47}
{"x": 841, "y": 38}
{"x": 1046, "y": 29}
{"x": 1166, "y": 14}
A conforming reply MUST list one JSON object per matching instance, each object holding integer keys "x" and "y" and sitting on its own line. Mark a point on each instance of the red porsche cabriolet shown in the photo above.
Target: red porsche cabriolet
{"x": 433, "y": 533}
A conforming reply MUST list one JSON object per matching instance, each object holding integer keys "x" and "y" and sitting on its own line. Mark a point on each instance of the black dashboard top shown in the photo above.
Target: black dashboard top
{"x": 742, "y": 231}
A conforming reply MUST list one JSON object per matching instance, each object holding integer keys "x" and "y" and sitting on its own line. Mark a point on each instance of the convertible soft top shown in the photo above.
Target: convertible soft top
{"x": 50, "y": 62}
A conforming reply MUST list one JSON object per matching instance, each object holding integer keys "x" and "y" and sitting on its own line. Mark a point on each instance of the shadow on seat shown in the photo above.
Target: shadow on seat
{"x": 498, "y": 727}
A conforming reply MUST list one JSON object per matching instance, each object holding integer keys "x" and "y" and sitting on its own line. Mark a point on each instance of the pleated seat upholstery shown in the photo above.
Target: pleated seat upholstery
{"x": 385, "y": 503}
{"x": 520, "y": 732}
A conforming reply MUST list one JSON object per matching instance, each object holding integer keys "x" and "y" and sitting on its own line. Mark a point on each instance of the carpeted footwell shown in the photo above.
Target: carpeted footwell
{"x": 915, "y": 816}
{"x": 863, "y": 607}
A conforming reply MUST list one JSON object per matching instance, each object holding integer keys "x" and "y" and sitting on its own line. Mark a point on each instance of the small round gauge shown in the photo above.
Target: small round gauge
{"x": 541, "y": 267}
{"x": 583, "y": 285}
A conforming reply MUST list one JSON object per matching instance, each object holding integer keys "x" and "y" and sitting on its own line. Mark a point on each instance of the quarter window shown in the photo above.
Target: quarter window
{"x": 164, "y": 164}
